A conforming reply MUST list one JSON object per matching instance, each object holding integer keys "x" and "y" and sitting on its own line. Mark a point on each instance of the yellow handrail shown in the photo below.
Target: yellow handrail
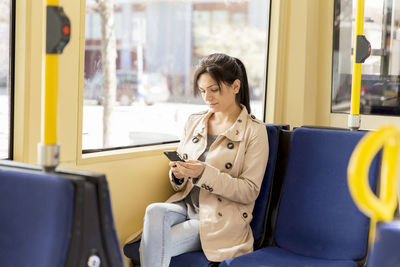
{"x": 382, "y": 208}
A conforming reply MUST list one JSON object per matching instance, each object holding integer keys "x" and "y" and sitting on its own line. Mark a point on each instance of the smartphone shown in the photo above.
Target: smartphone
{"x": 173, "y": 155}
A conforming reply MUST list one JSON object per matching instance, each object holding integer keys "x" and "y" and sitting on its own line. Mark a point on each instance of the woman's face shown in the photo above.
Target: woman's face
{"x": 218, "y": 101}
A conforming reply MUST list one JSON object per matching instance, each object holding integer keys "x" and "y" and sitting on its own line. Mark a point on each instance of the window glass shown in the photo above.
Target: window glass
{"x": 201, "y": 26}
{"x": 5, "y": 7}
{"x": 380, "y": 85}
{"x": 139, "y": 70}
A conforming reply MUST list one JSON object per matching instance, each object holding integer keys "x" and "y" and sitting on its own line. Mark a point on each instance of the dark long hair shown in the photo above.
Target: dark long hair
{"x": 224, "y": 69}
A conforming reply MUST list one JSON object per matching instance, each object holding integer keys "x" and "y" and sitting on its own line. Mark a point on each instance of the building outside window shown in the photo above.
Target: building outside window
{"x": 157, "y": 45}
{"x": 380, "y": 85}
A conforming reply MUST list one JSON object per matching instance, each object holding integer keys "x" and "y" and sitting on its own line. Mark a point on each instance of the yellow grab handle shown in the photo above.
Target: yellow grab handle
{"x": 382, "y": 208}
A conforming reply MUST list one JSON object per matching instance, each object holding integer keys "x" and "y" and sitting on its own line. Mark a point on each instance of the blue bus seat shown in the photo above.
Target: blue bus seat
{"x": 318, "y": 223}
{"x": 36, "y": 218}
{"x": 385, "y": 250}
{"x": 55, "y": 219}
{"x": 260, "y": 213}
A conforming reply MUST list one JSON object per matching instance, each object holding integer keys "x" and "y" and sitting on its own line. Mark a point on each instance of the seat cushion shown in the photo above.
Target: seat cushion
{"x": 277, "y": 257}
{"x": 36, "y": 211}
{"x": 317, "y": 216}
{"x": 385, "y": 251}
{"x": 132, "y": 251}
{"x": 190, "y": 259}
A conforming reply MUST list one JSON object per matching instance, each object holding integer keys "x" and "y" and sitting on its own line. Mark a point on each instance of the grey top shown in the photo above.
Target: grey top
{"x": 192, "y": 200}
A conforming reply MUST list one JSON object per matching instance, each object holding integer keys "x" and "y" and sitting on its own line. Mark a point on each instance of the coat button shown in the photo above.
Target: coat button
{"x": 228, "y": 165}
{"x": 185, "y": 156}
{"x": 195, "y": 140}
{"x": 219, "y": 199}
{"x": 252, "y": 116}
{"x": 239, "y": 120}
{"x": 203, "y": 186}
{"x": 230, "y": 145}
{"x": 207, "y": 187}
{"x": 219, "y": 213}
{"x": 245, "y": 215}
{"x": 211, "y": 189}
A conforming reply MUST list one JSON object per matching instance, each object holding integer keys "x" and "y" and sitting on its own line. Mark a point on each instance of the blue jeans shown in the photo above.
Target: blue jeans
{"x": 166, "y": 233}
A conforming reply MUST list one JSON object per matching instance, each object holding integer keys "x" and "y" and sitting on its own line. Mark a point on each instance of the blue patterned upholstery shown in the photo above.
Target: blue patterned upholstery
{"x": 385, "y": 251}
{"x": 36, "y": 212}
{"x": 191, "y": 259}
{"x": 55, "y": 219}
{"x": 278, "y": 257}
{"x": 318, "y": 223}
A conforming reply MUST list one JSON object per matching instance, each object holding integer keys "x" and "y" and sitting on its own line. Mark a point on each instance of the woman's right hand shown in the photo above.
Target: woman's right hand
{"x": 175, "y": 170}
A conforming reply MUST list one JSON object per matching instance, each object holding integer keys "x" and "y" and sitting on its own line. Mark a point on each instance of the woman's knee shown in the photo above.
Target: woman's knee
{"x": 155, "y": 209}
{"x": 158, "y": 211}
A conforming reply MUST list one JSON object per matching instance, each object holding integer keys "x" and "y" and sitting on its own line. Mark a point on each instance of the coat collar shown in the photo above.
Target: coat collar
{"x": 234, "y": 133}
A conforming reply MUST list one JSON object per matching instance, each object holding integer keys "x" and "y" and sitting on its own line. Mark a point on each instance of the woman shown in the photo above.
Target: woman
{"x": 226, "y": 152}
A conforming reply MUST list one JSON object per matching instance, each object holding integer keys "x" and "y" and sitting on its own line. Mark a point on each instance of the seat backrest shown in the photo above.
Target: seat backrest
{"x": 55, "y": 219}
{"x": 317, "y": 216}
{"x": 36, "y": 211}
{"x": 277, "y": 182}
{"x": 261, "y": 205}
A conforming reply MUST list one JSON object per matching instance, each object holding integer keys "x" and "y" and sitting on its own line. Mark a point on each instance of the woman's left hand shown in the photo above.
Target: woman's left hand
{"x": 191, "y": 168}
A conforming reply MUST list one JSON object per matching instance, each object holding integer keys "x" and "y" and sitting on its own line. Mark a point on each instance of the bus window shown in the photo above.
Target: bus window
{"x": 380, "y": 85}
{"x": 5, "y": 52}
{"x": 139, "y": 64}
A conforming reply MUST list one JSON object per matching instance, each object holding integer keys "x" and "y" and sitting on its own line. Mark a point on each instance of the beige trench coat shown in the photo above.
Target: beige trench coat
{"x": 230, "y": 183}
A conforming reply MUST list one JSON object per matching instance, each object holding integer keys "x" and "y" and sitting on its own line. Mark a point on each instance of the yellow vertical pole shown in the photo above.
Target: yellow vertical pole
{"x": 356, "y": 85}
{"x": 354, "y": 117}
{"x": 50, "y": 96}
{"x": 57, "y": 36}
